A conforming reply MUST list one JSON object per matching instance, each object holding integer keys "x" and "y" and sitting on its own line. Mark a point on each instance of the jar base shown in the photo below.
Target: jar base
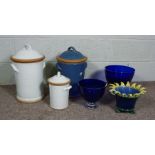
{"x": 34, "y": 100}
{"x": 58, "y": 108}
{"x": 120, "y": 110}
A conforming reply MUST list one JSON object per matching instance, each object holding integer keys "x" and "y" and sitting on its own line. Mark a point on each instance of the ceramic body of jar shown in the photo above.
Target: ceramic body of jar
{"x": 59, "y": 87}
{"x": 126, "y": 95}
{"x": 125, "y": 104}
{"x": 72, "y": 64}
{"x": 28, "y": 67}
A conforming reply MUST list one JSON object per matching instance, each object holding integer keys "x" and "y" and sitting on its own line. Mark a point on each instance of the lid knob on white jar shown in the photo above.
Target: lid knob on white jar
{"x": 58, "y": 74}
{"x": 27, "y": 46}
{"x": 58, "y": 80}
{"x": 27, "y": 55}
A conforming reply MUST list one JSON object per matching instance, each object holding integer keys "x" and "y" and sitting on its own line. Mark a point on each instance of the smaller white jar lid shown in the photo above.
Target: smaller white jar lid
{"x": 27, "y": 55}
{"x": 58, "y": 80}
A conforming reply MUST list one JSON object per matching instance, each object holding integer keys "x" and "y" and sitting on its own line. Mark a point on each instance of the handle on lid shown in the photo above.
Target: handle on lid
{"x": 72, "y": 49}
{"x": 27, "y": 46}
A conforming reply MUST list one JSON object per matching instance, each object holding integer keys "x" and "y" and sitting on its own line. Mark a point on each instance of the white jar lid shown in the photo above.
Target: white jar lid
{"x": 27, "y": 55}
{"x": 59, "y": 80}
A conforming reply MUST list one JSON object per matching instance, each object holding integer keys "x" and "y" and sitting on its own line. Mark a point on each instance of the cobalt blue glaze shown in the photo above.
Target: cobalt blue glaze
{"x": 127, "y": 90}
{"x": 124, "y": 104}
{"x": 74, "y": 71}
{"x": 119, "y": 73}
{"x": 92, "y": 90}
{"x": 71, "y": 54}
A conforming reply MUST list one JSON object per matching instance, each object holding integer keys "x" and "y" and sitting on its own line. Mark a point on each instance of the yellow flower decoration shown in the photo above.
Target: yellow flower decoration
{"x": 128, "y": 84}
{"x": 113, "y": 89}
{"x": 122, "y": 84}
{"x": 133, "y": 85}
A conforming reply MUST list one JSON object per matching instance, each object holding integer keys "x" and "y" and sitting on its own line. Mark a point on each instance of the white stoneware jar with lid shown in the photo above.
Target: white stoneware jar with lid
{"x": 28, "y": 66}
{"x": 59, "y": 87}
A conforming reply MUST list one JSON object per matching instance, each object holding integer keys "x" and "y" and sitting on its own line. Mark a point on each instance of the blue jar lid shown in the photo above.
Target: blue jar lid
{"x": 71, "y": 56}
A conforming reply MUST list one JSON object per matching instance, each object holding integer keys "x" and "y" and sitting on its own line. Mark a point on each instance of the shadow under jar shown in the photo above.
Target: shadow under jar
{"x": 92, "y": 90}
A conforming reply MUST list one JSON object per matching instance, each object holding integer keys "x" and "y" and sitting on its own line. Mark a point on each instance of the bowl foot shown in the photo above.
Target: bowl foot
{"x": 120, "y": 110}
{"x": 91, "y": 105}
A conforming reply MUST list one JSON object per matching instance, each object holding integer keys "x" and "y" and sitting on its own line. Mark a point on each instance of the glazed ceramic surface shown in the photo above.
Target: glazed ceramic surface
{"x": 126, "y": 95}
{"x": 72, "y": 64}
{"x": 92, "y": 90}
{"x": 126, "y": 104}
{"x": 59, "y": 87}
{"x": 119, "y": 73}
{"x": 127, "y": 90}
{"x": 28, "y": 67}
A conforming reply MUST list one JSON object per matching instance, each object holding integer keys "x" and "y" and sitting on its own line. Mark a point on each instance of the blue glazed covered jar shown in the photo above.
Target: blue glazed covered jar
{"x": 72, "y": 64}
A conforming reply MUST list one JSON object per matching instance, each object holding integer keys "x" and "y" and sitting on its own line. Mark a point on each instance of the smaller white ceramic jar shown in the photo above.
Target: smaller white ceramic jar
{"x": 59, "y": 87}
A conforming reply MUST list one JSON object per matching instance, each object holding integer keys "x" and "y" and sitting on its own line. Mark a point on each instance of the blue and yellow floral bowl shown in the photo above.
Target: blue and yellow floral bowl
{"x": 126, "y": 95}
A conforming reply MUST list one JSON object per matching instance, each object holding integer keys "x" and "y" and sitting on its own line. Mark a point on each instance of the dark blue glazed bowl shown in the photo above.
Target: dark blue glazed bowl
{"x": 92, "y": 90}
{"x": 124, "y": 104}
{"x": 119, "y": 73}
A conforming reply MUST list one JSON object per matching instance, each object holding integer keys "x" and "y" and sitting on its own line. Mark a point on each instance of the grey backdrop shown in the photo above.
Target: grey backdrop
{"x": 136, "y": 51}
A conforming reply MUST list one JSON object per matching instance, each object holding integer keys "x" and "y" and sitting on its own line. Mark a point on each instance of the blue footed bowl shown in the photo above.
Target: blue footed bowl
{"x": 124, "y": 104}
{"x": 92, "y": 90}
{"x": 119, "y": 73}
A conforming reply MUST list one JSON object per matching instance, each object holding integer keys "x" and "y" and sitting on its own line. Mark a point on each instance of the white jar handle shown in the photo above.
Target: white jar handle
{"x": 44, "y": 65}
{"x": 68, "y": 88}
{"x": 14, "y": 68}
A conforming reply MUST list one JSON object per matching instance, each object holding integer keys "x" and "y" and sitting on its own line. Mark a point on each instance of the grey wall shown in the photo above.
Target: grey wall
{"x": 136, "y": 51}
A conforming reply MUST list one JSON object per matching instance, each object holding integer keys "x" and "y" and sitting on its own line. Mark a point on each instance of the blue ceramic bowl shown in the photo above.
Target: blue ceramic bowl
{"x": 124, "y": 104}
{"x": 119, "y": 73}
{"x": 92, "y": 90}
